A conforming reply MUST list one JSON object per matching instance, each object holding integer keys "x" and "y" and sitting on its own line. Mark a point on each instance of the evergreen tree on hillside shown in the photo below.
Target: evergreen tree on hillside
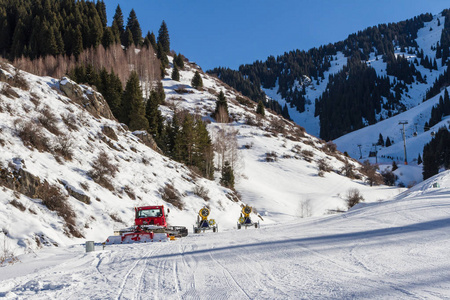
{"x": 436, "y": 154}
{"x": 221, "y": 111}
{"x": 118, "y": 20}
{"x": 133, "y": 104}
{"x": 101, "y": 9}
{"x": 197, "y": 81}
{"x": 134, "y": 27}
{"x": 380, "y": 140}
{"x": 178, "y": 61}
{"x": 260, "y": 109}
{"x": 175, "y": 73}
{"x": 154, "y": 116}
{"x": 227, "y": 179}
{"x": 163, "y": 37}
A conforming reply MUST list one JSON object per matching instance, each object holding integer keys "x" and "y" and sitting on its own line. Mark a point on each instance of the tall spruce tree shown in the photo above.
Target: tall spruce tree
{"x": 260, "y": 109}
{"x": 227, "y": 179}
{"x": 175, "y": 73}
{"x": 133, "y": 104}
{"x": 197, "y": 81}
{"x": 154, "y": 117}
{"x": 221, "y": 111}
{"x": 135, "y": 28}
{"x": 163, "y": 37}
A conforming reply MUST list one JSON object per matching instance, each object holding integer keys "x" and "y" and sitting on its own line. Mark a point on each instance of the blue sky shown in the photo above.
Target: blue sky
{"x": 229, "y": 33}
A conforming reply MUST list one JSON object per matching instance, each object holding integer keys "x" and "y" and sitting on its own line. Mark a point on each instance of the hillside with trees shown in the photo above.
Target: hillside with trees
{"x": 345, "y": 104}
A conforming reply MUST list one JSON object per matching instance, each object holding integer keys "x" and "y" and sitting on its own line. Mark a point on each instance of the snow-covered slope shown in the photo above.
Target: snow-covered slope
{"x": 142, "y": 174}
{"x": 427, "y": 40}
{"x": 395, "y": 249}
{"x": 283, "y": 186}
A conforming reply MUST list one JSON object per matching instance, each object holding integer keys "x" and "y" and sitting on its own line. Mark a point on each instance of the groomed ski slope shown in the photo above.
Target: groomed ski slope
{"x": 394, "y": 249}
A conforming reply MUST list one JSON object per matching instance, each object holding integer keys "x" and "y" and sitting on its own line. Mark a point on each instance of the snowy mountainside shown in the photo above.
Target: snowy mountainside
{"x": 140, "y": 178}
{"x": 276, "y": 161}
{"x": 427, "y": 39}
{"x": 415, "y": 135}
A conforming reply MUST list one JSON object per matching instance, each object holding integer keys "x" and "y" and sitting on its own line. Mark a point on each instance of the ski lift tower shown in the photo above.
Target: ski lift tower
{"x": 404, "y": 137}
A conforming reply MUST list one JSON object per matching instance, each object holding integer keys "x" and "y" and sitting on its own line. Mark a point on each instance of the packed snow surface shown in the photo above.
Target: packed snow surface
{"x": 392, "y": 249}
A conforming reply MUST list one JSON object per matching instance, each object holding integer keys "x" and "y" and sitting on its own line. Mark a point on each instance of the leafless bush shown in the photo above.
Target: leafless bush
{"x": 63, "y": 147}
{"x": 49, "y": 121}
{"x": 116, "y": 218}
{"x": 103, "y": 170}
{"x": 348, "y": 170}
{"x": 172, "y": 196}
{"x": 32, "y": 135}
{"x": 389, "y": 177}
{"x": 202, "y": 192}
{"x": 371, "y": 172}
{"x": 304, "y": 209}
{"x": 19, "y": 81}
{"x": 353, "y": 198}
{"x": 109, "y": 132}
{"x": 55, "y": 200}
{"x": 70, "y": 121}
{"x": 129, "y": 191}
{"x": 271, "y": 156}
{"x": 277, "y": 125}
{"x": 330, "y": 147}
{"x": 7, "y": 255}
{"x": 8, "y": 91}
{"x": 182, "y": 90}
{"x": 244, "y": 101}
{"x": 323, "y": 165}
{"x": 307, "y": 154}
{"x": 17, "y": 205}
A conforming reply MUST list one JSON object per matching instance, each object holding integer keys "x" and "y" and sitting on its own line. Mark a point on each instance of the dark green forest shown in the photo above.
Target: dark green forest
{"x": 347, "y": 101}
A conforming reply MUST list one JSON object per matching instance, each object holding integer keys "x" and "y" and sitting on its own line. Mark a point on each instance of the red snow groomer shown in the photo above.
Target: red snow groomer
{"x": 150, "y": 225}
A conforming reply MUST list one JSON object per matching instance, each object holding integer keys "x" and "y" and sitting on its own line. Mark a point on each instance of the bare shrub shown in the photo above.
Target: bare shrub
{"x": 55, "y": 200}
{"x": 353, "y": 197}
{"x": 103, "y": 170}
{"x": 63, "y": 147}
{"x": 109, "y": 132}
{"x": 172, "y": 196}
{"x": 182, "y": 90}
{"x": 19, "y": 81}
{"x": 304, "y": 209}
{"x": 371, "y": 172}
{"x": 330, "y": 147}
{"x": 323, "y": 165}
{"x": 389, "y": 177}
{"x": 244, "y": 101}
{"x": 271, "y": 156}
{"x": 277, "y": 125}
{"x": 70, "y": 121}
{"x": 116, "y": 218}
{"x": 49, "y": 121}
{"x": 17, "y": 205}
{"x": 129, "y": 191}
{"x": 32, "y": 135}
{"x": 8, "y": 91}
{"x": 7, "y": 255}
{"x": 201, "y": 192}
{"x": 348, "y": 170}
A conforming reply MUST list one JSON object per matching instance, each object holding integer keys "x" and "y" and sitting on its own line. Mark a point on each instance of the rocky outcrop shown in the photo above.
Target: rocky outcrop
{"x": 92, "y": 101}
{"x": 78, "y": 195}
{"x": 147, "y": 140}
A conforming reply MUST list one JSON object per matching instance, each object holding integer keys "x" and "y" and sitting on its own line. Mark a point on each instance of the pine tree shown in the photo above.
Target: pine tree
{"x": 154, "y": 116}
{"x": 134, "y": 27}
{"x": 133, "y": 104}
{"x": 197, "y": 81}
{"x": 221, "y": 111}
{"x": 260, "y": 108}
{"x": 175, "y": 73}
{"x": 388, "y": 142}
{"x": 394, "y": 166}
{"x": 108, "y": 38}
{"x": 163, "y": 37}
{"x": 227, "y": 179}
{"x": 101, "y": 9}
{"x": 419, "y": 159}
{"x": 118, "y": 20}
{"x": 178, "y": 60}
{"x": 127, "y": 38}
{"x": 380, "y": 140}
